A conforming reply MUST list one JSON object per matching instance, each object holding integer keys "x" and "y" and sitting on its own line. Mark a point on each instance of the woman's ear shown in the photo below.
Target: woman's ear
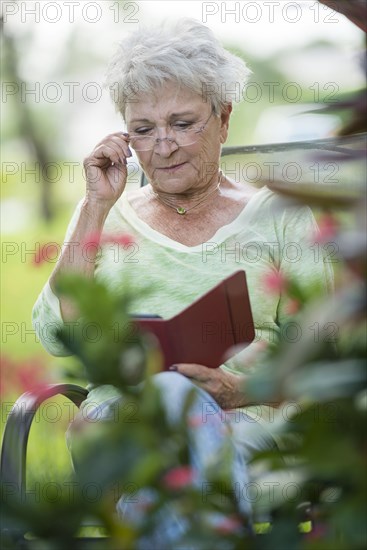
{"x": 224, "y": 119}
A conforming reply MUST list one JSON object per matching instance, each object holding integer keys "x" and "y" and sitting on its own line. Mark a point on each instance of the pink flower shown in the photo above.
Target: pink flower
{"x": 30, "y": 377}
{"x": 38, "y": 258}
{"x": 327, "y": 228}
{"x": 292, "y": 306}
{"x": 123, "y": 240}
{"x": 275, "y": 281}
{"x": 21, "y": 376}
{"x": 92, "y": 238}
{"x": 195, "y": 421}
{"x": 228, "y": 525}
{"x": 46, "y": 253}
{"x": 179, "y": 477}
{"x": 97, "y": 239}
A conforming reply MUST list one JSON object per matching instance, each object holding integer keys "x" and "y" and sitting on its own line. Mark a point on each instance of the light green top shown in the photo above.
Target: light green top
{"x": 265, "y": 236}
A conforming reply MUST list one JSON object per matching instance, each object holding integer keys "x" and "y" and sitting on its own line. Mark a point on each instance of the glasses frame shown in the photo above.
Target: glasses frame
{"x": 170, "y": 139}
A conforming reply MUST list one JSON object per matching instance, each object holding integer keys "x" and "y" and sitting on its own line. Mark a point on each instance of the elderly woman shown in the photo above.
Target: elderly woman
{"x": 192, "y": 225}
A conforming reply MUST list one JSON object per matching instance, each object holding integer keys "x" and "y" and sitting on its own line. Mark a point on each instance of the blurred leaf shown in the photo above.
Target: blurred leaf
{"x": 327, "y": 195}
{"x": 354, "y": 10}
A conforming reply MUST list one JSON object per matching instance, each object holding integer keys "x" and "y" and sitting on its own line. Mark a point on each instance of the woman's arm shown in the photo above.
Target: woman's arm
{"x": 106, "y": 175}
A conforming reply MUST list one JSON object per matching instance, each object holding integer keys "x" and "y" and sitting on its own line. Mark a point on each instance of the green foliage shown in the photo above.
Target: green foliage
{"x": 324, "y": 445}
{"x": 105, "y": 334}
{"x": 137, "y": 447}
{"x": 322, "y": 381}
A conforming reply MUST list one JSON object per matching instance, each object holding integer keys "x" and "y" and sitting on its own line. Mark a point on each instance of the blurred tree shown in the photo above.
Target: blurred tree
{"x": 24, "y": 121}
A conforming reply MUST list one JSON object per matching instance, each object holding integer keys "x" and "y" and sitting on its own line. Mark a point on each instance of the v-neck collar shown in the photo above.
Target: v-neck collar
{"x": 219, "y": 236}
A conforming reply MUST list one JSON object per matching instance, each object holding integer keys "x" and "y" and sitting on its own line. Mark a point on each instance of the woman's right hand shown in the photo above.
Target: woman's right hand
{"x": 106, "y": 169}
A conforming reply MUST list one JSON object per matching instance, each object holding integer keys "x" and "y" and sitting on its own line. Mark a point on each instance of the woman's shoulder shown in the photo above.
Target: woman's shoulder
{"x": 257, "y": 198}
{"x": 276, "y": 205}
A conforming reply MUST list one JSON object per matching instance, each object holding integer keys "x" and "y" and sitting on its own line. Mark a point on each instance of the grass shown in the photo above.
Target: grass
{"x": 22, "y": 281}
{"x": 24, "y": 361}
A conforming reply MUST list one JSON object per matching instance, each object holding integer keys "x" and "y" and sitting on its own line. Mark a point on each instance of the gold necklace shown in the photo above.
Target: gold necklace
{"x": 180, "y": 209}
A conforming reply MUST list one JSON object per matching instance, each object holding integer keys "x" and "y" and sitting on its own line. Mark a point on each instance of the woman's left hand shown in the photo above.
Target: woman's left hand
{"x": 226, "y": 388}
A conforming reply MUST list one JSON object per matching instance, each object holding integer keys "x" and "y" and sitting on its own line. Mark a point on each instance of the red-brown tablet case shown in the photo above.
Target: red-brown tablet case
{"x": 203, "y": 332}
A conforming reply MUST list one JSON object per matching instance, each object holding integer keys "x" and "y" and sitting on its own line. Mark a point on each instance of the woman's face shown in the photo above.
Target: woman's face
{"x": 169, "y": 167}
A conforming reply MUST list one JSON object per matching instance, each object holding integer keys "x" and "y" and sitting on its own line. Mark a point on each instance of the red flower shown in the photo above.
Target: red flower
{"x": 327, "y": 228}
{"x": 97, "y": 239}
{"x": 47, "y": 252}
{"x": 92, "y": 238}
{"x": 228, "y": 525}
{"x": 275, "y": 281}
{"x": 195, "y": 421}
{"x": 25, "y": 375}
{"x": 123, "y": 240}
{"x": 292, "y": 306}
{"x": 31, "y": 377}
{"x": 38, "y": 258}
{"x": 178, "y": 477}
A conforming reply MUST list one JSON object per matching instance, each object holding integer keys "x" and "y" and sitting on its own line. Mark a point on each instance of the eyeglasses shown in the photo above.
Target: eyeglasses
{"x": 181, "y": 133}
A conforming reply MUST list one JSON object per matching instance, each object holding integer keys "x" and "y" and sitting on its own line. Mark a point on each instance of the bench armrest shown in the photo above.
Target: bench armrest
{"x": 17, "y": 428}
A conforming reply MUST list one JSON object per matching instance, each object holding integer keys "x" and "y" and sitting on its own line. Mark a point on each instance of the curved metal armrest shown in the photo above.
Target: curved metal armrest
{"x": 17, "y": 428}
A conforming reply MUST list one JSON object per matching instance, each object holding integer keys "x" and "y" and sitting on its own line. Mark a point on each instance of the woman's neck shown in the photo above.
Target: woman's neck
{"x": 190, "y": 199}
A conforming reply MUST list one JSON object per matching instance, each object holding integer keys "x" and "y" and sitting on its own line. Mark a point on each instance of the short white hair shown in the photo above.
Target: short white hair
{"x": 186, "y": 52}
